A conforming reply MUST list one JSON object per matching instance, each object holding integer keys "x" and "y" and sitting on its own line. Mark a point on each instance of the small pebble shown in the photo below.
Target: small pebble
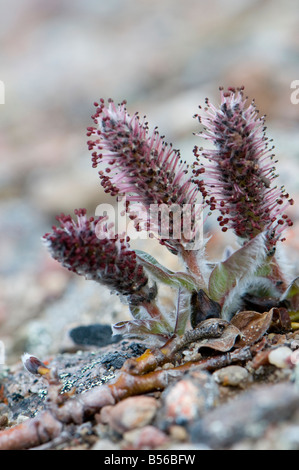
{"x": 189, "y": 398}
{"x": 104, "y": 415}
{"x": 279, "y": 357}
{"x": 234, "y": 376}
{"x": 130, "y": 413}
{"x": 149, "y": 437}
{"x": 3, "y": 421}
{"x": 105, "y": 444}
{"x": 178, "y": 433}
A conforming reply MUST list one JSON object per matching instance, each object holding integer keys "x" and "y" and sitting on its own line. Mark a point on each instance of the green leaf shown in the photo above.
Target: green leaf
{"x": 182, "y": 312}
{"x": 240, "y": 266}
{"x": 265, "y": 270}
{"x": 141, "y": 328}
{"x": 161, "y": 273}
{"x": 292, "y": 295}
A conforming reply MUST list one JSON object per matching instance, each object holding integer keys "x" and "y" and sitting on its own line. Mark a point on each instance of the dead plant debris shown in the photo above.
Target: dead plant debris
{"x": 69, "y": 401}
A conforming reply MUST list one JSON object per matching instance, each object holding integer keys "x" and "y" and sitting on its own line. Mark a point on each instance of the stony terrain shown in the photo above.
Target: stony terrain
{"x": 250, "y": 404}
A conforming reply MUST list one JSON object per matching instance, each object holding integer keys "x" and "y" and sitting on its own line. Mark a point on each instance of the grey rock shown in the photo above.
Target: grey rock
{"x": 248, "y": 416}
{"x": 233, "y": 376}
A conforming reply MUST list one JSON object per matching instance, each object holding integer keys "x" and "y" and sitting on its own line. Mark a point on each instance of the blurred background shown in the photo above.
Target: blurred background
{"x": 164, "y": 57}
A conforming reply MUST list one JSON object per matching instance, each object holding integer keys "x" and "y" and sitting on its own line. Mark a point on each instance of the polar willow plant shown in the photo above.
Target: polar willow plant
{"x": 236, "y": 178}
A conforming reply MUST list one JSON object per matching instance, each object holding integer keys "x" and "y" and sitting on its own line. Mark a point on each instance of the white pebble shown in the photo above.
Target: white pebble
{"x": 278, "y": 357}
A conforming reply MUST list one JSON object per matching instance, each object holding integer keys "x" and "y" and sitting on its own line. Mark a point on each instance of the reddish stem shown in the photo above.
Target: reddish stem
{"x": 152, "y": 309}
{"x": 190, "y": 258}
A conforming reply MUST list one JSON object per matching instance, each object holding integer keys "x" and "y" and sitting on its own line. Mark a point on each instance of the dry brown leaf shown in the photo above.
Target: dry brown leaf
{"x": 252, "y": 325}
{"x": 202, "y": 308}
{"x": 225, "y": 342}
{"x": 281, "y": 320}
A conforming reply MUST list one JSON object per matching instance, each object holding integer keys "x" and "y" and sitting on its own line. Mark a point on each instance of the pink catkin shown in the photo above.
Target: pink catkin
{"x": 139, "y": 164}
{"x": 87, "y": 248}
{"x": 239, "y": 176}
